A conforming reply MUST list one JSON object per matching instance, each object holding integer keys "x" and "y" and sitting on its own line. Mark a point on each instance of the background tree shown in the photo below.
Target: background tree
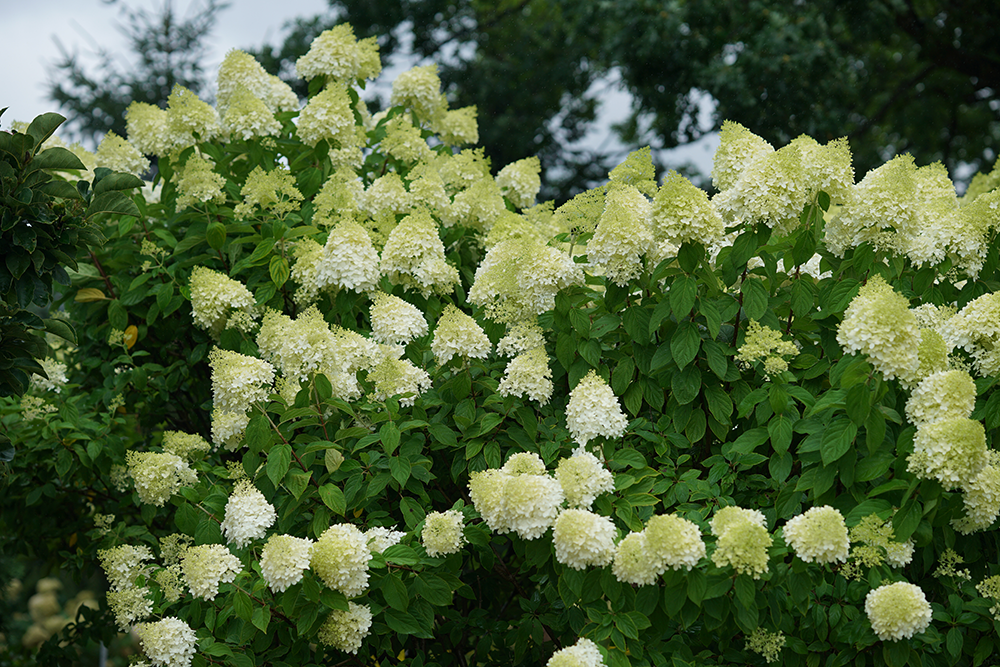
{"x": 165, "y": 48}
{"x": 892, "y": 76}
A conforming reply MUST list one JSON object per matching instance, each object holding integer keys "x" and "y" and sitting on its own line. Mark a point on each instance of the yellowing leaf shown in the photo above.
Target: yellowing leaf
{"x": 131, "y": 336}
{"x": 89, "y": 295}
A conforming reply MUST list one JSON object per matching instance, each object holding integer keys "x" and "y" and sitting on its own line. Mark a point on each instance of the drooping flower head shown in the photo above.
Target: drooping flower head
{"x": 190, "y": 119}
{"x": 633, "y": 562}
{"x": 593, "y": 410}
{"x": 214, "y": 295}
{"x": 122, "y": 564}
{"x": 738, "y": 148}
{"x": 976, "y": 329}
{"x": 413, "y": 256}
{"x": 528, "y": 374}
{"x": 623, "y": 236}
{"x": 898, "y": 610}
{"x": 942, "y": 395}
{"x": 681, "y": 213}
{"x": 952, "y": 450}
{"x": 419, "y": 89}
{"x": 520, "y": 497}
{"x": 457, "y": 127}
{"x": 148, "y": 129}
{"x": 349, "y": 260}
{"x": 247, "y": 116}
{"x": 197, "y": 183}
{"x": 329, "y": 116}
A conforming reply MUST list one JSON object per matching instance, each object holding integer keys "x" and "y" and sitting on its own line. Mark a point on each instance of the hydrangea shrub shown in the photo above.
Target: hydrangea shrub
{"x": 343, "y": 394}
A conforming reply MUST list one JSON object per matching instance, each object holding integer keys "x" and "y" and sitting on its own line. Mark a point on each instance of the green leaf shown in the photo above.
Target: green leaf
{"x": 858, "y": 403}
{"x": 754, "y": 298}
{"x": 333, "y": 498}
{"x": 716, "y": 356}
{"x": 117, "y": 317}
{"x": 713, "y": 318}
{"x": 802, "y": 297}
{"x": 394, "y": 592}
{"x": 689, "y": 255}
{"x": 278, "y": 270}
{"x": 117, "y": 181}
{"x": 433, "y": 588}
{"x": 389, "y": 434}
{"x": 906, "y": 520}
{"x": 590, "y": 350}
{"x": 875, "y": 429}
{"x": 43, "y": 127}
{"x": 780, "y": 431}
{"x": 837, "y": 439}
{"x": 745, "y": 590}
{"x": 685, "y": 343}
{"x": 580, "y": 321}
{"x": 697, "y": 585}
{"x": 216, "y": 235}
{"x": 686, "y": 385}
{"x": 61, "y": 328}
{"x": 258, "y": 433}
{"x": 621, "y": 377}
{"x": 261, "y": 618}
{"x": 113, "y": 202}
{"x": 683, "y": 292}
{"x": 400, "y": 469}
{"x": 401, "y": 622}
{"x": 636, "y": 323}
{"x": 57, "y": 157}
{"x": 242, "y": 605}
{"x": 278, "y": 460}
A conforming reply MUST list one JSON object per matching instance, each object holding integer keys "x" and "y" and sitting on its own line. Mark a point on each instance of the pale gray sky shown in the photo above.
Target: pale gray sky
{"x": 28, "y": 50}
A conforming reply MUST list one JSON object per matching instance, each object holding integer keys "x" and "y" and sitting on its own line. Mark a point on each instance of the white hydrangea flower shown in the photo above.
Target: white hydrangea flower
{"x": 982, "y": 498}
{"x": 520, "y": 181}
{"x": 349, "y": 260}
{"x": 336, "y": 54}
{"x": 583, "y": 478}
{"x": 623, "y": 236}
{"x": 119, "y": 155}
{"x": 169, "y": 642}
{"x": 397, "y": 377}
{"x": 738, "y": 148}
{"x": 283, "y": 560}
{"x": 381, "y": 538}
{"x": 898, "y": 610}
{"x": 528, "y": 373}
{"x": 521, "y": 337}
{"x": 593, "y": 410}
{"x": 340, "y": 558}
{"x": 247, "y": 116}
{"x": 56, "y": 380}
{"x": 122, "y": 564}
{"x": 184, "y": 444}
{"x": 458, "y": 334}
{"x": 520, "y": 498}
{"x": 899, "y": 554}
{"x": 238, "y": 381}
{"x": 742, "y": 542}
{"x": 681, "y": 212}
{"x": 129, "y": 605}
{"x": 395, "y": 321}
{"x": 584, "y": 653}
{"x": 878, "y": 323}
{"x": 328, "y": 115}
{"x": 206, "y": 566}
{"x": 674, "y": 542}
{"x": 213, "y": 295}
{"x": 582, "y": 538}
{"x": 419, "y": 88}
{"x": 943, "y": 395}
{"x": 345, "y": 630}
{"x": 443, "y": 533}
{"x": 952, "y": 451}
{"x": 633, "y": 562}
{"x": 158, "y": 476}
{"x": 819, "y": 535}
{"x": 248, "y": 515}
{"x": 228, "y": 428}
{"x": 976, "y": 329}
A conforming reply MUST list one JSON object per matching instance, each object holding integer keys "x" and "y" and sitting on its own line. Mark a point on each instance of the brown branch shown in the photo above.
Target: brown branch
{"x": 100, "y": 269}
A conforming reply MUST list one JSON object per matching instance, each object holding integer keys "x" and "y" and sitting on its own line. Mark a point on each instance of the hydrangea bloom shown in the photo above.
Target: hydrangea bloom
{"x": 248, "y": 515}
{"x": 413, "y": 256}
{"x": 819, "y": 535}
{"x": 228, "y": 428}
{"x": 738, "y": 148}
{"x": 198, "y": 183}
{"x": 339, "y": 56}
{"x": 340, "y": 196}
{"x": 976, "y": 329}
{"x": 240, "y": 71}
{"x": 184, "y": 444}
{"x": 878, "y": 323}
{"x": 247, "y": 116}
{"x": 272, "y": 191}
{"x": 443, "y": 533}
{"x": 519, "y": 279}
{"x": 982, "y": 498}
{"x": 898, "y": 610}
{"x": 528, "y": 373}
{"x": 349, "y": 260}
{"x": 213, "y": 294}
{"x": 190, "y": 119}
{"x": 458, "y": 334}
{"x": 158, "y": 476}
{"x": 340, "y": 558}
{"x": 381, "y": 538}
{"x": 283, "y": 561}
{"x": 623, "y": 236}
{"x": 764, "y": 344}
{"x": 206, "y": 566}
{"x": 396, "y": 377}
{"x": 129, "y": 605}
{"x": 953, "y": 451}
{"x": 519, "y": 498}
{"x": 674, "y": 542}
{"x": 942, "y": 395}
{"x": 768, "y": 644}
{"x": 403, "y": 140}
{"x": 520, "y": 181}
{"x": 584, "y": 653}
{"x": 681, "y": 213}
{"x": 583, "y": 539}
{"x": 456, "y": 127}
{"x": 55, "y": 379}
{"x": 168, "y": 643}
{"x": 419, "y": 88}
{"x": 633, "y": 562}
{"x": 119, "y": 155}
{"x": 583, "y": 478}
{"x": 742, "y": 540}
{"x": 521, "y": 337}
{"x": 344, "y": 630}
{"x": 238, "y": 380}
{"x": 122, "y": 564}
{"x": 395, "y": 321}
{"x": 148, "y": 129}
{"x": 593, "y": 410}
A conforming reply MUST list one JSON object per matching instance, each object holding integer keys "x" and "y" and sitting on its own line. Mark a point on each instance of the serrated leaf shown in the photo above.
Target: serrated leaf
{"x": 333, "y": 498}
{"x": 279, "y": 271}
{"x": 685, "y": 342}
{"x": 333, "y": 459}
{"x": 389, "y": 434}
{"x": 754, "y": 298}
{"x": 394, "y": 592}
{"x": 683, "y": 292}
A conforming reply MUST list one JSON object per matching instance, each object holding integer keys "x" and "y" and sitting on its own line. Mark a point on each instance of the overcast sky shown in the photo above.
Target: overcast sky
{"x": 28, "y": 50}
